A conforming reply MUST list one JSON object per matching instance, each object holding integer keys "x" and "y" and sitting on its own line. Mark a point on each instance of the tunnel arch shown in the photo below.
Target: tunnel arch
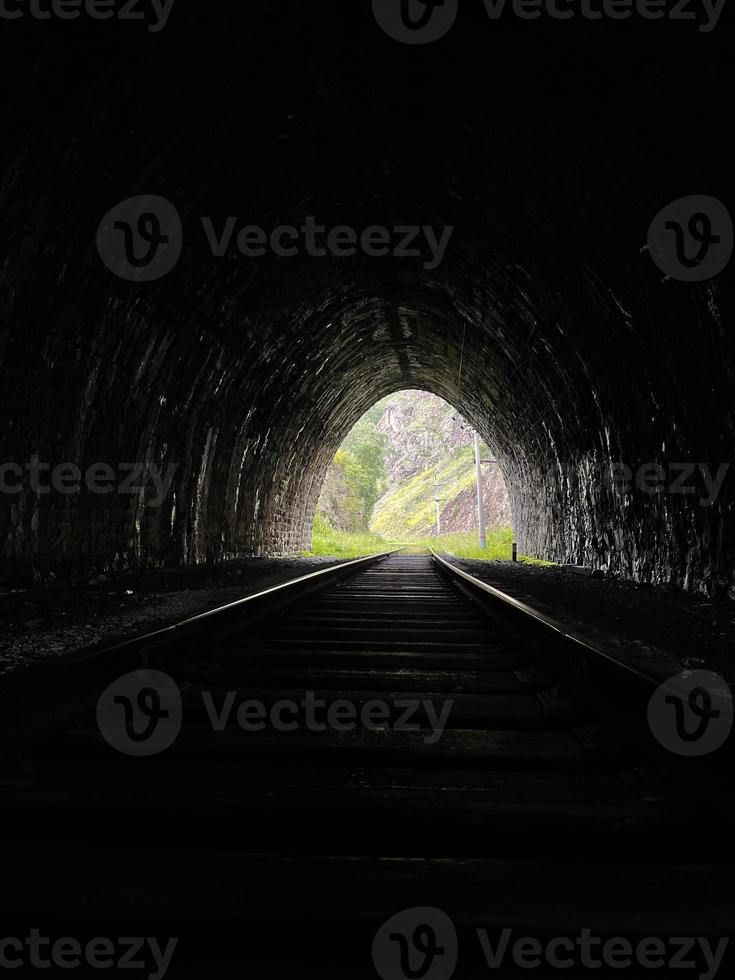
{"x": 246, "y": 375}
{"x": 411, "y": 450}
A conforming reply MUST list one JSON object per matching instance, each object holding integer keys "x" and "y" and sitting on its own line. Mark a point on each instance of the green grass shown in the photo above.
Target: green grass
{"x": 467, "y": 545}
{"x": 328, "y": 542}
{"x": 409, "y": 510}
{"x": 499, "y": 546}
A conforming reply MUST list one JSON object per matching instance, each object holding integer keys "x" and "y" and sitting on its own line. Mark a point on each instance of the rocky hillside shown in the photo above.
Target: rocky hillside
{"x": 422, "y": 441}
{"x": 421, "y": 431}
{"x": 410, "y": 508}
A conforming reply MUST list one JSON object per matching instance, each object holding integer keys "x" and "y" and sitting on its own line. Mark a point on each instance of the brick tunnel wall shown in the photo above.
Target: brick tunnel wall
{"x": 546, "y": 324}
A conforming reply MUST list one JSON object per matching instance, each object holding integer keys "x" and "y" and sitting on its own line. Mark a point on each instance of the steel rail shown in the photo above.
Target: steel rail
{"x": 45, "y": 685}
{"x": 556, "y": 630}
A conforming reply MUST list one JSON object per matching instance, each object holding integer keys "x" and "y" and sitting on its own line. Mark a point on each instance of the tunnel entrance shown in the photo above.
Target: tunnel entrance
{"x": 408, "y": 472}
{"x": 227, "y": 383}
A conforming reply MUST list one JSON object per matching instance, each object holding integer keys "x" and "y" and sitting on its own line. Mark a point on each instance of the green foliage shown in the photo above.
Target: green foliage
{"x": 351, "y": 508}
{"x": 362, "y": 455}
{"x": 326, "y": 541}
{"x": 409, "y": 510}
{"x": 499, "y": 546}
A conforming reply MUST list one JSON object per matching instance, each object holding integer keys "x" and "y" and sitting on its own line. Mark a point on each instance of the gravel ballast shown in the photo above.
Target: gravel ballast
{"x": 52, "y": 620}
{"x": 687, "y": 628}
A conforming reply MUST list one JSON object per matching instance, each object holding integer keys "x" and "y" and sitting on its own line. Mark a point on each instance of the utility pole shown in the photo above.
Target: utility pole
{"x": 438, "y": 500}
{"x": 480, "y": 495}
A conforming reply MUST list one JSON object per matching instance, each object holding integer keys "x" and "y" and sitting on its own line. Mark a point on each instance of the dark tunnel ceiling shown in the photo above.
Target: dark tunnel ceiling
{"x": 549, "y": 149}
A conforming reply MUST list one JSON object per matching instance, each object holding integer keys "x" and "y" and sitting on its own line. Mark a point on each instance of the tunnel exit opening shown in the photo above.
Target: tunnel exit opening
{"x": 413, "y": 471}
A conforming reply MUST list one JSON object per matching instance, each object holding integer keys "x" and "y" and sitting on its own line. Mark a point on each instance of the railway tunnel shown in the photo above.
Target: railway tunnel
{"x": 529, "y": 160}
{"x": 228, "y": 231}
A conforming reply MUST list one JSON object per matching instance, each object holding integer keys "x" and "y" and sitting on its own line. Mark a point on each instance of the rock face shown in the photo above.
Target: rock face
{"x": 421, "y": 428}
{"x": 545, "y": 323}
{"x": 460, "y": 514}
{"x": 424, "y": 434}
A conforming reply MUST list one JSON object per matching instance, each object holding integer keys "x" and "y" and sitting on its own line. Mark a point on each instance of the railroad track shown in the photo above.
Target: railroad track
{"x": 272, "y": 782}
